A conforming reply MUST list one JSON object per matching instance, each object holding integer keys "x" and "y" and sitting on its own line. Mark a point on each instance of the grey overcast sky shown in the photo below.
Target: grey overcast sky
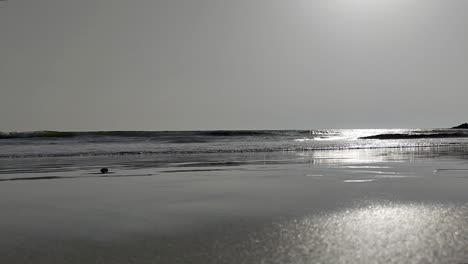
{"x": 237, "y": 64}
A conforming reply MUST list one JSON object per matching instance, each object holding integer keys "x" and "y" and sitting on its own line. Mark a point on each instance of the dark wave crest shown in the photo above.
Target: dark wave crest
{"x": 237, "y": 133}
{"x": 61, "y": 134}
{"x": 37, "y": 134}
{"x": 418, "y": 136}
{"x": 170, "y": 135}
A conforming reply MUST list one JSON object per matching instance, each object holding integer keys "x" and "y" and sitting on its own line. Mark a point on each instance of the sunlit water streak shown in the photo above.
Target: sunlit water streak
{"x": 378, "y": 232}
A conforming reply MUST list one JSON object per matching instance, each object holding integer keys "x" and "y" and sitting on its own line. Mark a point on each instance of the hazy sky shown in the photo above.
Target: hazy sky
{"x": 237, "y": 64}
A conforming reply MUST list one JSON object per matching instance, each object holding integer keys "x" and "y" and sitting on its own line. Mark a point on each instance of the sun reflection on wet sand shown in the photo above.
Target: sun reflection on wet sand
{"x": 359, "y": 181}
{"x": 382, "y": 232}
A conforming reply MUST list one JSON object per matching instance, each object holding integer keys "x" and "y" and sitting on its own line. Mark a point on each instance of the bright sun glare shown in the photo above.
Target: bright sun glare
{"x": 370, "y": 7}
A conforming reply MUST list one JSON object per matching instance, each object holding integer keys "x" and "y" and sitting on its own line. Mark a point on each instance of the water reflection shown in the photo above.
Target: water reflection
{"x": 354, "y": 159}
{"x": 382, "y": 232}
{"x": 349, "y": 157}
{"x": 359, "y": 181}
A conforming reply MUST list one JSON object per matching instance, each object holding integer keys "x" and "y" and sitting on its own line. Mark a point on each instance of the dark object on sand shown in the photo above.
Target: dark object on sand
{"x": 104, "y": 170}
{"x": 462, "y": 126}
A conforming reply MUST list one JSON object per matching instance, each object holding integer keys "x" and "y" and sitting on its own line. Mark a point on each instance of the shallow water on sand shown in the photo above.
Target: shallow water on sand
{"x": 404, "y": 205}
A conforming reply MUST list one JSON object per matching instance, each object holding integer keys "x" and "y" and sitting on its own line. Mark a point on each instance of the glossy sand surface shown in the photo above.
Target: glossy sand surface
{"x": 352, "y": 206}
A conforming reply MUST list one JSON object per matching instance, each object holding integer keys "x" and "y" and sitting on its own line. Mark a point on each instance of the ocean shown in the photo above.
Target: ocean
{"x": 57, "y": 152}
{"x": 284, "y": 196}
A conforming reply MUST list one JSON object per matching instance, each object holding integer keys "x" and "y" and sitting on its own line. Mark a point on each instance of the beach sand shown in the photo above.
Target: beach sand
{"x": 350, "y": 206}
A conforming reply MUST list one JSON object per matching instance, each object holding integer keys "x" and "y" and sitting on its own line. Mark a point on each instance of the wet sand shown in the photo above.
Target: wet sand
{"x": 354, "y": 206}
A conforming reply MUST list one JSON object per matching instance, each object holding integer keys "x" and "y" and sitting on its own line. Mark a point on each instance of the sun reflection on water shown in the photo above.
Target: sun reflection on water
{"x": 350, "y": 157}
{"x": 382, "y": 232}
